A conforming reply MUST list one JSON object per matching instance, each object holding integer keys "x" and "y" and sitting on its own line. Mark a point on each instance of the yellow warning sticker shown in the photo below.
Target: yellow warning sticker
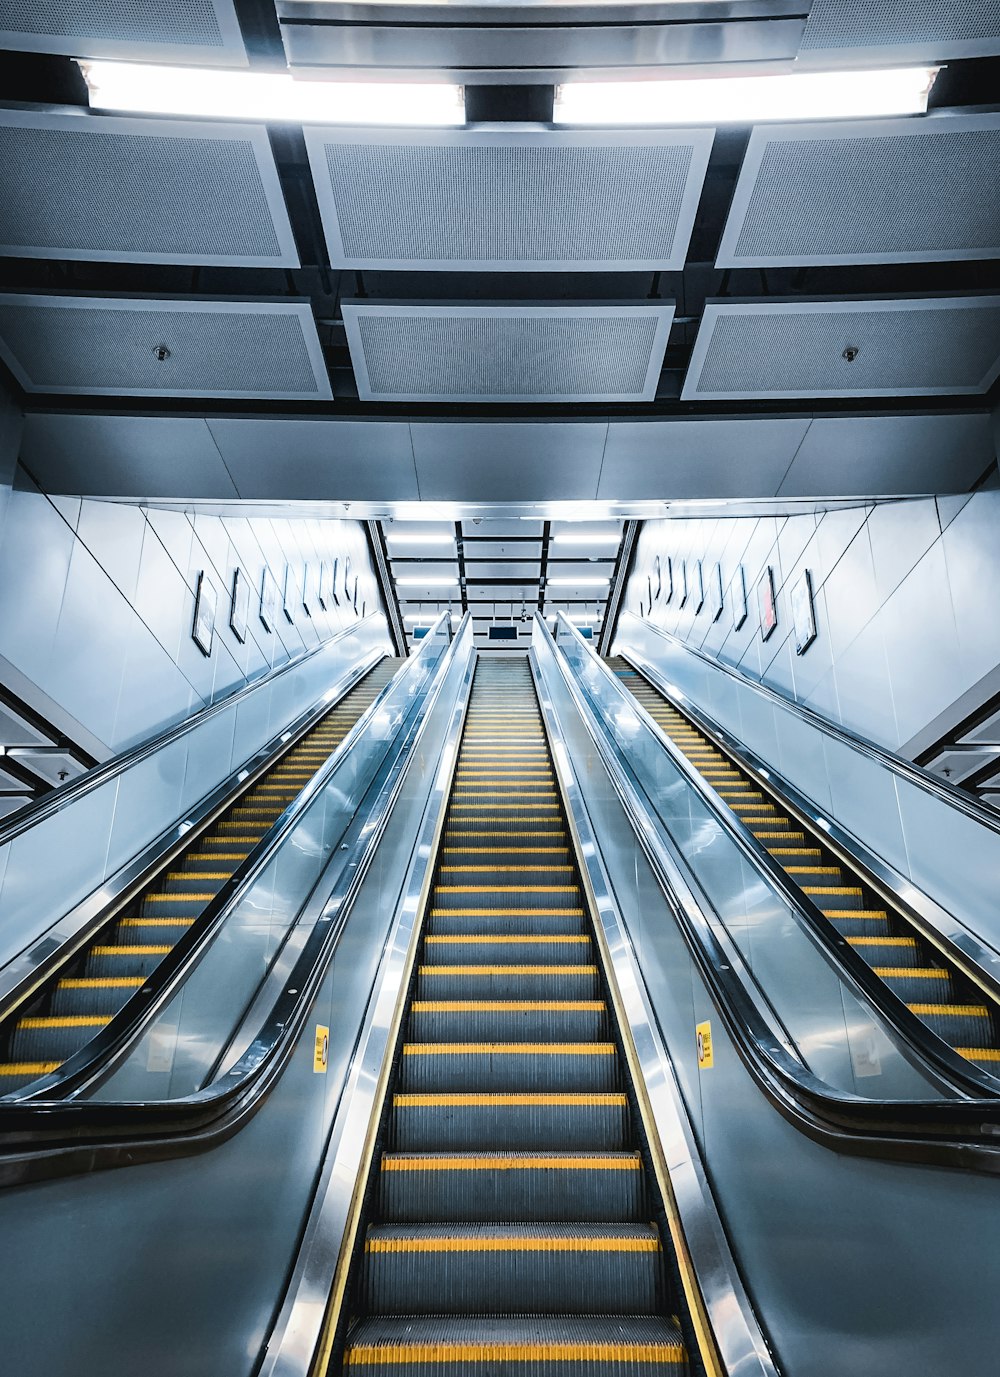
{"x": 321, "y": 1050}
{"x": 704, "y": 1032}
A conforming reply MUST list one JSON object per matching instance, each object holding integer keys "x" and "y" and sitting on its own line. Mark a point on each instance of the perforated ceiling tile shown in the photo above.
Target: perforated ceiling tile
{"x": 108, "y": 346}
{"x": 540, "y": 199}
{"x": 917, "y": 348}
{"x": 931, "y": 30}
{"x": 191, "y": 31}
{"x": 141, "y": 190}
{"x": 870, "y": 191}
{"x": 507, "y": 353}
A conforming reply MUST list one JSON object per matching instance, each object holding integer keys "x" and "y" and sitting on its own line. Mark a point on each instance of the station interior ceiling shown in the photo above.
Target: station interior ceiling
{"x": 502, "y": 340}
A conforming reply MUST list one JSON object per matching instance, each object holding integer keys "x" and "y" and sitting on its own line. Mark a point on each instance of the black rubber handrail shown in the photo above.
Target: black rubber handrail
{"x": 40, "y": 1139}
{"x": 957, "y": 1133}
{"x": 65, "y": 794}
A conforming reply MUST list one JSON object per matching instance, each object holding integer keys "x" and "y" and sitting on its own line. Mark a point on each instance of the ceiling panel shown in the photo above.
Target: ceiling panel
{"x": 504, "y": 353}
{"x": 867, "y": 191}
{"x": 497, "y": 549}
{"x": 696, "y": 459}
{"x": 141, "y": 190}
{"x": 912, "y": 347}
{"x": 182, "y": 31}
{"x": 503, "y": 200}
{"x": 899, "y": 31}
{"x": 115, "y": 346}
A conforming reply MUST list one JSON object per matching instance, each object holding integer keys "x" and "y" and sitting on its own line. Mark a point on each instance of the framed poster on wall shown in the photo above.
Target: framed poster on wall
{"x": 656, "y": 583}
{"x": 740, "y": 610}
{"x": 699, "y": 586}
{"x": 268, "y": 599}
{"x": 682, "y": 578}
{"x": 354, "y": 594}
{"x": 205, "y": 603}
{"x": 803, "y": 613}
{"x": 718, "y": 595}
{"x": 334, "y": 595}
{"x": 239, "y": 606}
{"x": 321, "y": 593}
{"x": 306, "y": 591}
{"x": 668, "y": 592}
{"x": 288, "y": 594}
{"x": 766, "y": 604}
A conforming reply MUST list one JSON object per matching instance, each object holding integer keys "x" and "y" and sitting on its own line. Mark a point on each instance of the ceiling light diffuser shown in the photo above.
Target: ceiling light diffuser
{"x": 569, "y": 582}
{"x": 206, "y": 93}
{"x": 747, "y": 99}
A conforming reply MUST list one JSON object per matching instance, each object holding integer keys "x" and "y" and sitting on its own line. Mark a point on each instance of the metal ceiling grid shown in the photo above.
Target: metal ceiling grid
{"x": 867, "y": 191}
{"x": 508, "y": 200}
{"x": 870, "y": 31}
{"x": 927, "y": 347}
{"x": 182, "y": 31}
{"x": 133, "y": 190}
{"x": 113, "y": 346}
{"x": 510, "y": 353}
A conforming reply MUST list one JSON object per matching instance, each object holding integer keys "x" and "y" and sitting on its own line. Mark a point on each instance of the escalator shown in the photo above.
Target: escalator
{"x": 512, "y": 1222}
{"x": 85, "y": 994}
{"x": 908, "y": 964}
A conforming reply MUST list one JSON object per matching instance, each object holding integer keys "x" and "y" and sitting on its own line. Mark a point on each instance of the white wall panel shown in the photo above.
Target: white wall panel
{"x": 97, "y": 620}
{"x": 904, "y": 598}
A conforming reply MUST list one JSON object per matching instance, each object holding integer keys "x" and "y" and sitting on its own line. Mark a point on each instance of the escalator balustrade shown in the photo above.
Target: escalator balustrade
{"x": 510, "y": 1227}
{"x": 73, "y": 1007}
{"x": 942, "y": 997}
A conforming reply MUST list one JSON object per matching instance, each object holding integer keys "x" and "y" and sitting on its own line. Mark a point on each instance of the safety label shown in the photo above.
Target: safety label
{"x": 704, "y": 1032}
{"x": 321, "y": 1050}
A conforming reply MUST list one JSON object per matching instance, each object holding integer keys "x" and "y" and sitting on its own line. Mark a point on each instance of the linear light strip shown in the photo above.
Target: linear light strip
{"x": 747, "y": 99}
{"x": 209, "y": 93}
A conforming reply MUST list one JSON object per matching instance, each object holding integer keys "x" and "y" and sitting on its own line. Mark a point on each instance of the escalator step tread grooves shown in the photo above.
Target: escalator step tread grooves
{"x": 945, "y": 1000}
{"x": 511, "y": 1226}
{"x": 75, "y": 1005}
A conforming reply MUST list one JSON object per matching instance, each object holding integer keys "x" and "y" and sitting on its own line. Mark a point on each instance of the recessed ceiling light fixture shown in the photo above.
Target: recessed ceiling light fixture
{"x": 569, "y": 582}
{"x": 747, "y": 99}
{"x": 429, "y": 581}
{"x": 208, "y": 93}
{"x": 416, "y": 538}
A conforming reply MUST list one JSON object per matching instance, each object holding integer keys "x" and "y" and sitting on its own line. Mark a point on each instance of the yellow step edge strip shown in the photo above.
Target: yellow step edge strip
{"x": 879, "y": 941}
{"x": 102, "y": 982}
{"x": 509, "y": 1049}
{"x": 583, "y": 1162}
{"x": 506, "y": 850}
{"x": 832, "y": 889}
{"x": 507, "y": 912}
{"x": 503, "y": 869}
{"x": 65, "y": 1021}
{"x": 130, "y": 951}
{"x": 358, "y": 1355}
{"x": 864, "y": 913}
{"x": 954, "y": 1010}
{"x": 506, "y": 937}
{"x": 166, "y": 921}
{"x": 507, "y": 889}
{"x": 513, "y": 1243}
{"x": 473, "y": 1100}
{"x": 979, "y": 1053}
{"x": 507, "y": 1006}
{"x": 910, "y": 972}
{"x": 507, "y": 970}
{"x": 28, "y": 1068}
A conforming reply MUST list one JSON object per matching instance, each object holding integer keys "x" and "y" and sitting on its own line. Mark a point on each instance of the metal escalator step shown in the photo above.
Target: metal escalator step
{"x": 412, "y": 1269}
{"x": 968, "y": 1025}
{"x": 524, "y": 1121}
{"x": 53, "y": 1038}
{"x": 507, "y": 1020}
{"x": 99, "y": 995}
{"x": 505, "y": 897}
{"x": 517, "y": 1346}
{"x": 195, "y": 881}
{"x": 834, "y": 900}
{"x": 516, "y": 946}
{"x": 512, "y": 1186}
{"x": 490, "y": 921}
{"x": 986, "y": 1058}
{"x": 862, "y": 924}
{"x": 902, "y": 951}
{"x": 502, "y": 869}
{"x": 167, "y": 928}
{"x": 15, "y": 1075}
{"x": 492, "y": 981}
{"x": 499, "y": 1067}
{"x": 131, "y": 958}
{"x": 918, "y": 982}
{"x": 187, "y": 905}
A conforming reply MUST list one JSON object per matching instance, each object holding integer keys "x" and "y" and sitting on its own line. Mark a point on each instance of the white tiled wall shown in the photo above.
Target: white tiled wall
{"x": 97, "y": 602}
{"x": 905, "y": 598}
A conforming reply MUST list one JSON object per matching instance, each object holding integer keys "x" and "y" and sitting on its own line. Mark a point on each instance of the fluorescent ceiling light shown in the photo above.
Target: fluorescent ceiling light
{"x": 428, "y": 581}
{"x": 398, "y": 538}
{"x": 586, "y": 537}
{"x": 747, "y": 99}
{"x": 207, "y": 93}
{"x": 568, "y": 582}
